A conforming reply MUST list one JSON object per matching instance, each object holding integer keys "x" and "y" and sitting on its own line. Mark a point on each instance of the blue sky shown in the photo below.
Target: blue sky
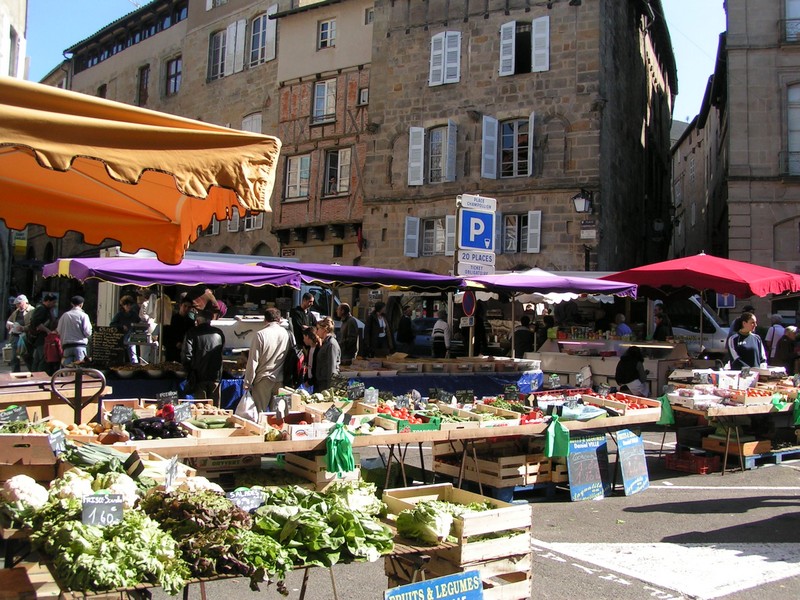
{"x": 694, "y": 25}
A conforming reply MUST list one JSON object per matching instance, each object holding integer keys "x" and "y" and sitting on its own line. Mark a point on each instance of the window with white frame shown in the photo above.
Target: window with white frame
{"x": 445, "y": 62}
{"x": 326, "y": 34}
{"x": 432, "y": 154}
{"x": 252, "y": 123}
{"x": 324, "y": 101}
{"x": 215, "y": 3}
{"x": 233, "y": 222}
{"x": 793, "y": 129}
{"x": 792, "y": 21}
{"x": 262, "y": 37}
{"x": 174, "y": 73}
{"x": 226, "y": 50}
{"x": 525, "y": 47}
{"x": 518, "y": 233}
{"x": 363, "y": 96}
{"x": 430, "y": 236}
{"x": 297, "y": 176}
{"x": 216, "y": 55}
{"x": 212, "y": 229}
{"x": 337, "y": 171}
{"x": 253, "y": 221}
{"x": 507, "y": 147}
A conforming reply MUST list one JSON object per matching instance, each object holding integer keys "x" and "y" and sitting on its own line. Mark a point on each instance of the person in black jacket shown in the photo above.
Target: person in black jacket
{"x": 405, "y": 332}
{"x": 301, "y": 317}
{"x": 631, "y": 374}
{"x": 377, "y": 334}
{"x": 202, "y": 357}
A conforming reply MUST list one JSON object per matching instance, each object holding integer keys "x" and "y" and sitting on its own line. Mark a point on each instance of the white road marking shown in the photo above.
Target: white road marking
{"x": 665, "y": 485}
{"x": 704, "y": 571}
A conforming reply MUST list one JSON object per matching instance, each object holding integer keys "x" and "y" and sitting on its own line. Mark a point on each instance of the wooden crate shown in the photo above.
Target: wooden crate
{"x": 753, "y": 395}
{"x": 435, "y": 367}
{"x": 510, "y": 417}
{"x": 41, "y": 473}
{"x": 653, "y": 406}
{"x": 748, "y": 448}
{"x": 498, "y": 472}
{"x": 240, "y": 428}
{"x": 26, "y": 449}
{"x": 314, "y": 468}
{"x": 403, "y": 367}
{"x": 559, "y": 473}
{"x": 446, "y": 409}
{"x": 396, "y": 425}
{"x": 461, "y": 366}
{"x": 506, "y": 517}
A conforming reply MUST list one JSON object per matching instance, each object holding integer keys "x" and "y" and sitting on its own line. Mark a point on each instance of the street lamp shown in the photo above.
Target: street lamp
{"x": 582, "y": 201}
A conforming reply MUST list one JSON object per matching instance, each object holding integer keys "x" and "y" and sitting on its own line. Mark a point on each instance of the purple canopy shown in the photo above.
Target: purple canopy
{"x": 537, "y": 280}
{"x": 150, "y": 271}
{"x": 371, "y": 277}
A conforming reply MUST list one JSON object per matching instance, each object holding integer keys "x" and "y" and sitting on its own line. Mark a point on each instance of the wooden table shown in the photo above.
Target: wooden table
{"x": 33, "y": 391}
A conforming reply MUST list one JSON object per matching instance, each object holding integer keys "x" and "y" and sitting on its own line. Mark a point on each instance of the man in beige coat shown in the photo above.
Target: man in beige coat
{"x": 268, "y": 351}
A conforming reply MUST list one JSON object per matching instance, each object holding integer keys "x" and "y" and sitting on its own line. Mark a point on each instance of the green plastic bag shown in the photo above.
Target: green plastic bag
{"x": 797, "y": 412}
{"x": 778, "y": 403}
{"x": 339, "y": 450}
{"x": 667, "y": 416}
{"x": 556, "y": 442}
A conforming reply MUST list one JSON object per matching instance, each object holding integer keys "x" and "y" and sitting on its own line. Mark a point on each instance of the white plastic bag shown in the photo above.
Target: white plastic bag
{"x": 246, "y": 407}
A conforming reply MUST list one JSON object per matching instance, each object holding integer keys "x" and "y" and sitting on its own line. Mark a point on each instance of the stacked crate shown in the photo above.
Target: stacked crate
{"x": 504, "y": 563}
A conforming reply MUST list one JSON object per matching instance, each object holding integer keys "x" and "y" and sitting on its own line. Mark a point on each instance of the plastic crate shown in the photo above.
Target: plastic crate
{"x": 692, "y": 463}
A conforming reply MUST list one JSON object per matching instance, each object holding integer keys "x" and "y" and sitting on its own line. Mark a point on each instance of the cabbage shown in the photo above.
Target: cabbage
{"x": 361, "y": 496}
{"x": 425, "y": 522}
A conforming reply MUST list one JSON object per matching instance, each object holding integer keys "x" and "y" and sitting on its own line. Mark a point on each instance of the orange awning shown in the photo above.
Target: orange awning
{"x": 73, "y": 162}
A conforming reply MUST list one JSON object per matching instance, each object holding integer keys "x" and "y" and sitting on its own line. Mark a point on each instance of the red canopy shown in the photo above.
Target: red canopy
{"x": 706, "y": 272}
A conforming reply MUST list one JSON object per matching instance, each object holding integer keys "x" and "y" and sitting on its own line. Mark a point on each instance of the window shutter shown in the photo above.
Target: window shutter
{"x": 452, "y": 138}
{"x": 214, "y": 226}
{"x": 233, "y": 223}
{"x": 489, "y": 148}
{"x": 499, "y": 243}
{"x": 452, "y": 57}
{"x": 270, "y": 34}
{"x": 540, "y": 48}
{"x": 436, "y": 73}
{"x": 450, "y": 235}
{"x": 508, "y": 39}
{"x": 230, "y": 49}
{"x": 411, "y": 244}
{"x": 259, "y": 222}
{"x": 534, "y": 231}
{"x": 416, "y": 155}
{"x": 238, "y": 45}
{"x": 209, "y": 4}
{"x": 531, "y": 144}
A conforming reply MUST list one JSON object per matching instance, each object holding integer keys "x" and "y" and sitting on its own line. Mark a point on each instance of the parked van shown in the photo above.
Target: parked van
{"x": 684, "y": 314}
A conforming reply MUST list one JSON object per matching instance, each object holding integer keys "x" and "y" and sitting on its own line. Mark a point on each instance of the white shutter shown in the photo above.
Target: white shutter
{"x": 450, "y": 235}
{"x": 238, "y": 45}
{"x": 436, "y": 73}
{"x": 209, "y": 4}
{"x": 540, "y": 46}
{"x": 270, "y": 34}
{"x": 416, "y": 155}
{"x": 452, "y": 57}
{"x": 233, "y": 223}
{"x": 452, "y": 138}
{"x": 534, "y": 231}
{"x": 508, "y": 38}
{"x": 259, "y": 222}
{"x": 411, "y": 243}
{"x": 499, "y": 243}
{"x": 230, "y": 50}
{"x": 489, "y": 148}
{"x": 531, "y": 145}
{"x": 214, "y": 226}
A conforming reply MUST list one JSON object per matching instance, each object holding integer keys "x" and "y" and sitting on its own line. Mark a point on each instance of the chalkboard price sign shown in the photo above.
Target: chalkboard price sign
{"x": 511, "y": 392}
{"x": 632, "y": 462}
{"x": 588, "y": 468}
{"x": 170, "y": 397}
{"x": 465, "y": 396}
{"x": 183, "y": 412}
{"x": 248, "y": 500}
{"x": 58, "y": 441}
{"x": 121, "y": 414}
{"x": 14, "y": 413}
{"x": 102, "y": 509}
{"x": 333, "y": 415}
{"x": 355, "y": 390}
{"x": 433, "y": 394}
{"x": 106, "y": 346}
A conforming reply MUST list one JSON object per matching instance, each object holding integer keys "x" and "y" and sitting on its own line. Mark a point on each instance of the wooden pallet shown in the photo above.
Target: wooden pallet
{"x": 775, "y": 457}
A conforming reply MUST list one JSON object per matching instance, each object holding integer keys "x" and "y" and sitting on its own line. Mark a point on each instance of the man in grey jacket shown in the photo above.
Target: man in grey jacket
{"x": 74, "y": 329}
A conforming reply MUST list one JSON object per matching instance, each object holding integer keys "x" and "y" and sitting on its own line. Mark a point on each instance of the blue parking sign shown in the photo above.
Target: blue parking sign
{"x": 475, "y": 230}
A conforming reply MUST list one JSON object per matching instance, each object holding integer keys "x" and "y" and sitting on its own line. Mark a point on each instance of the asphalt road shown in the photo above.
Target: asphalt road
{"x": 686, "y": 536}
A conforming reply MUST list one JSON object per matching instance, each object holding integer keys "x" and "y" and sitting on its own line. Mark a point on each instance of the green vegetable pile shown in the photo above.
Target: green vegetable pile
{"x": 23, "y": 427}
{"x": 432, "y": 521}
{"x": 320, "y": 530}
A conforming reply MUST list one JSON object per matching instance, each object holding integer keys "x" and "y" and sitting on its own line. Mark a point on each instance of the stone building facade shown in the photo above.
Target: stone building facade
{"x": 535, "y": 103}
{"x": 390, "y": 109}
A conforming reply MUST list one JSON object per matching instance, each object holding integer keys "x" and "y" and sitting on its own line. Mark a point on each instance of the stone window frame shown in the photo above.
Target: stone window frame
{"x": 217, "y": 46}
{"x": 263, "y": 37}
{"x": 420, "y": 166}
{"x": 492, "y": 147}
{"x": 173, "y": 74}
{"x": 417, "y": 243}
{"x": 527, "y": 239}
